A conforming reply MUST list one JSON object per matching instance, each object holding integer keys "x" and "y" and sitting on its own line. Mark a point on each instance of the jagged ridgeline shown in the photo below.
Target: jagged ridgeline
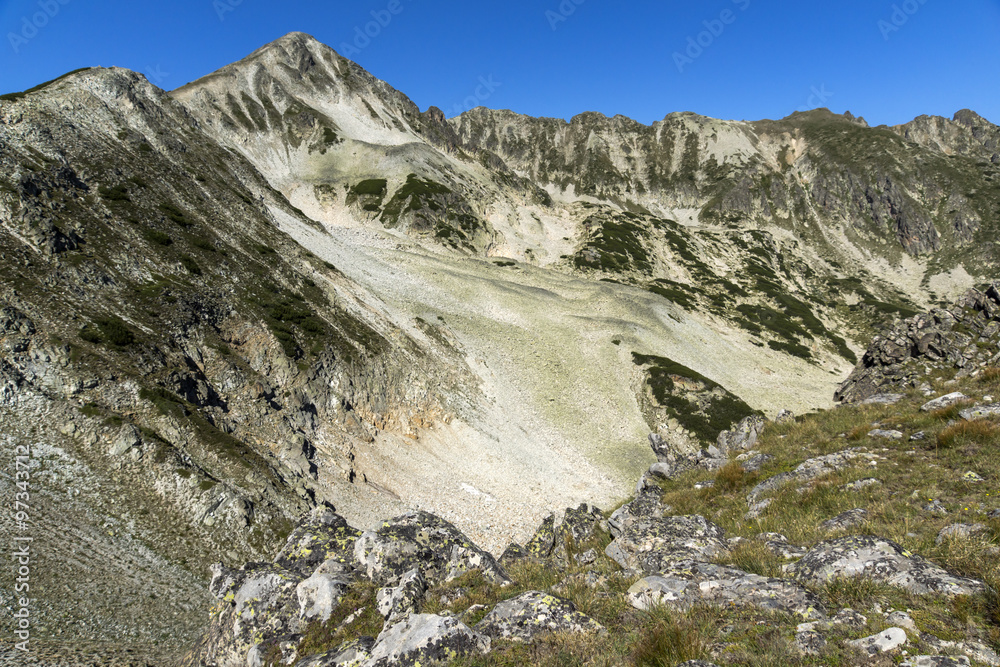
{"x": 283, "y": 285}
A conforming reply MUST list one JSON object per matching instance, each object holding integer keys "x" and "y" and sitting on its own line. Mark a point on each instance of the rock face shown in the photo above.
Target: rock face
{"x": 881, "y": 560}
{"x": 965, "y": 337}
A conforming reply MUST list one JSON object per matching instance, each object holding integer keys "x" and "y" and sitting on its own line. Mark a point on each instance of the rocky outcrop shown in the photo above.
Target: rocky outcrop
{"x": 964, "y": 337}
{"x": 524, "y": 617}
{"x": 880, "y": 560}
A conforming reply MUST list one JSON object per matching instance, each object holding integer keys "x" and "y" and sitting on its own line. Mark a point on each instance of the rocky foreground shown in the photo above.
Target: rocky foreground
{"x": 655, "y": 582}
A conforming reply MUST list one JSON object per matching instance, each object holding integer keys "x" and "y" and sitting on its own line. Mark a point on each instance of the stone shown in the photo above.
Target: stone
{"x": 883, "y": 399}
{"x": 128, "y": 437}
{"x": 862, "y": 484}
{"x": 993, "y": 514}
{"x": 779, "y": 545}
{"x": 888, "y": 435}
{"x": 686, "y": 583}
{"x": 936, "y": 661}
{"x": 959, "y": 531}
{"x": 784, "y": 417}
{"x": 645, "y": 506}
{"x": 903, "y": 620}
{"x": 980, "y": 412}
{"x": 887, "y": 640}
{"x": 322, "y": 592}
{"x": 533, "y": 613}
{"x": 935, "y": 507}
{"x": 420, "y": 539}
{"x": 649, "y": 545}
{"x": 322, "y": 536}
{"x": 757, "y": 509}
{"x": 753, "y": 461}
{"x": 809, "y": 470}
{"x": 809, "y": 642}
{"x": 849, "y": 618}
{"x": 397, "y": 602}
{"x": 425, "y": 638}
{"x": 880, "y": 560}
{"x": 845, "y": 520}
{"x": 742, "y": 437}
{"x": 943, "y": 402}
{"x": 973, "y": 477}
{"x": 918, "y": 436}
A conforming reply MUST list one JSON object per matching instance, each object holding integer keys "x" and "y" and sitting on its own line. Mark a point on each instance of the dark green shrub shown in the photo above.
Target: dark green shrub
{"x": 157, "y": 237}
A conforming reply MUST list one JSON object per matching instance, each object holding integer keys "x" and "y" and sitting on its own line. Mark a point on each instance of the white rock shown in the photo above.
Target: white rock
{"x": 943, "y": 401}
{"x": 887, "y": 640}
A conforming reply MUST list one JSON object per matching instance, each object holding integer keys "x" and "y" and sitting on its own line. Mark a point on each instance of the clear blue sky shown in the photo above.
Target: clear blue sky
{"x": 765, "y": 60}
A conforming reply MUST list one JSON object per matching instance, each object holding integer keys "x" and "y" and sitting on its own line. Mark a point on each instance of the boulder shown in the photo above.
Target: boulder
{"x": 942, "y": 402}
{"x": 779, "y": 545}
{"x": 880, "y": 560}
{"x": 650, "y": 545}
{"x": 686, "y": 583}
{"x": 424, "y": 639}
{"x": 323, "y": 591}
{"x": 883, "y": 399}
{"x": 887, "y": 640}
{"x": 980, "y": 412}
{"x": 845, "y": 520}
{"x": 886, "y": 434}
{"x": 936, "y": 661}
{"x": 811, "y": 469}
{"x": 420, "y": 539}
{"x": 324, "y": 535}
{"x": 960, "y": 531}
{"x": 398, "y": 602}
{"x": 533, "y": 613}
{"x": 742, "y": 437}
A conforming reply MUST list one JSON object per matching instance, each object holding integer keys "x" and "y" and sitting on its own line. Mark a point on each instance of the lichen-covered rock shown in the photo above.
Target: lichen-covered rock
{"x": 779, "y": 545}
{"x": 845, "y": 520}
{"x": 686, "y": 583}
{"x": 650, "y": 545}
{"x": 887, "y": 640}
{"x": 880, "y": 560}
{"x": 742, "y": 437}
{"x": 395, "y": 603}
{"x": 324, "y": 535}
{"x": 645, "y": 506}
{"x": 886, "y": 434}
{"x": 420, "y": 539}
{"x": 256, "y": 602}
{"x": 352, "y": 654}
{"x": 960, "y": 531}
{"x": 425, "y": 639}
{"x": 811, "y": 469}
{"x": 936, "y": 661}
{"x": 323, "y": 591}
{"x": 980, "y": 412}
{"x": 533, "y": 613}
{"x": 945, "y": 401}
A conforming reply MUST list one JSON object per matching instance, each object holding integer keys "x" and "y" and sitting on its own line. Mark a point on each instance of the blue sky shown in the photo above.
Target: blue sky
{"x": 886, "y": 60}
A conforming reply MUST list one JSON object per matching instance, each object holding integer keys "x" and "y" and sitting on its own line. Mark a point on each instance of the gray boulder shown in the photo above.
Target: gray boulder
{"x": 886, "y": 434}
{"x": 322, "y": 592}
{"x": 324, "y": 535}
{"x": 887, "y": 640}
{"x": 424, "y": 639}
{"x": 980, "y": 412}
{"x": 883, "y": 399}
{"x": 942, "y": 402}
{"x": 811, "y": 469}
{"x": 742, "y": 437}
{"x": 650, "y": 545}
{"x": 880, "y": 560}
{"x": 686, "y": 583}
{"x": 395, "y": 603}
{"x": 936, "y": 661}
{"x": 533, "y": 613}
{"x": 960, "y": 531}
{"x": 421, "y": 539}
{"x": 845, "y": 520}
